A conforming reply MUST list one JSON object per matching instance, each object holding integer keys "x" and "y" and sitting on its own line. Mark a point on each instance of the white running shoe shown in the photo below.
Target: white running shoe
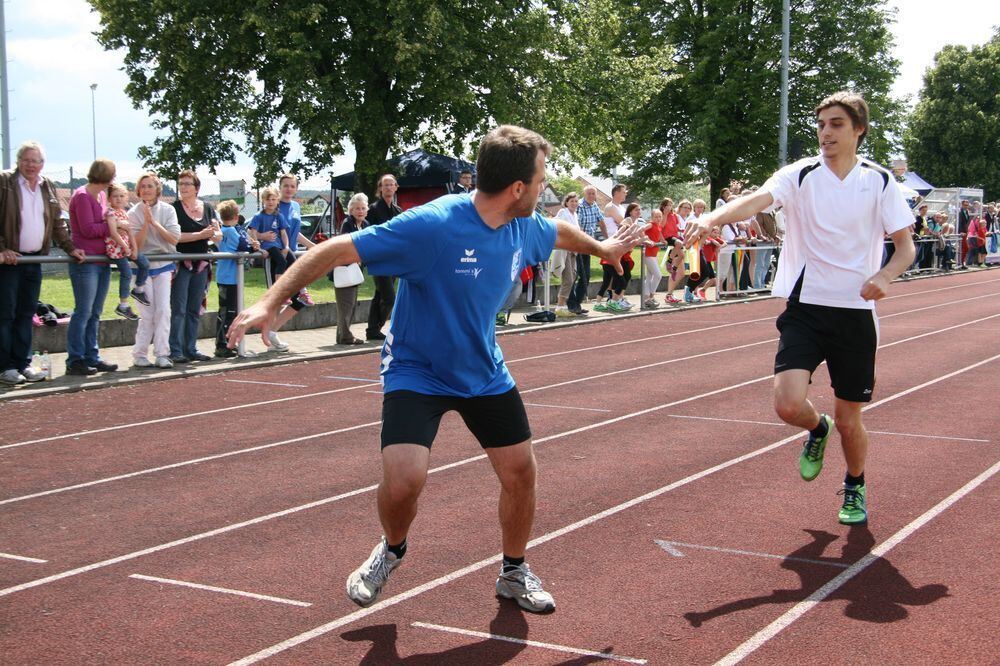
{"x": 276, "y": 343}
{"x": 365, "y": 584}
{"x": 164, "y": 362}
{"x": 142, "y": 362}
{"x": 11, "y": 377}
{"x": 524, "y": 587}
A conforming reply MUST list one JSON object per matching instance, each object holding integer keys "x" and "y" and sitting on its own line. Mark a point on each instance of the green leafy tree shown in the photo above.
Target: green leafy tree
{"x": 718, "y": 117}
{"x": 380, "y": 74}
{"x": 953, "y": 137}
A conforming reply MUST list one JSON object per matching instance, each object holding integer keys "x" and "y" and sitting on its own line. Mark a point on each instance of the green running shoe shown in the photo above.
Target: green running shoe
{"x": 855, "y": 508}
{"x": 811, "y": 459}
{"x": 601, "y": 307}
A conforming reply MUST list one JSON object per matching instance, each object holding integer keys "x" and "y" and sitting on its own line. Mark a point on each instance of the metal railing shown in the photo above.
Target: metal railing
{"x": 172, "y": 256}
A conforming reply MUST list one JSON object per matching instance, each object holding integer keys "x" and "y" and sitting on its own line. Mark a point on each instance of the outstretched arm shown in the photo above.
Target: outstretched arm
{"x": 629, "y": 235}
{"x": 338, "y": 251}
{"x": 734, "y": 211}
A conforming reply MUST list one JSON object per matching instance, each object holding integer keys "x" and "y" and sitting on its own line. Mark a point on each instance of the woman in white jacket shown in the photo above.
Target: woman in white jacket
{"x": 155, "y": 229}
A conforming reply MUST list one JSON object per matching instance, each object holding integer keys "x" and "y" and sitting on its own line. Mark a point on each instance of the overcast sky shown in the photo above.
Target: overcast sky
{"x": 54, "y": 58}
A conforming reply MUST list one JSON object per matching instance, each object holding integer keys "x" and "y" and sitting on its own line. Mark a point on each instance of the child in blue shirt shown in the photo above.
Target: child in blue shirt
{"x": 225, "y": 273}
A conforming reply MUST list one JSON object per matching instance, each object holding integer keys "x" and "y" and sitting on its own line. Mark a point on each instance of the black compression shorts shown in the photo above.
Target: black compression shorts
{"x": 413, "y": 418}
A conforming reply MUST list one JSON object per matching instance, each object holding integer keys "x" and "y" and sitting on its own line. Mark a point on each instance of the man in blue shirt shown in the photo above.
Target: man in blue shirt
{"x": 456, "y": 258}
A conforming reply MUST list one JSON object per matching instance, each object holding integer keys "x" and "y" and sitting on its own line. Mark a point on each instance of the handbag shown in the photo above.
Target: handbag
{"x": 347, "y": 276}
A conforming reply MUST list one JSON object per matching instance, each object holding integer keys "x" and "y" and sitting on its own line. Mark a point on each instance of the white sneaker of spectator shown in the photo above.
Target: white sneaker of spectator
{"x": 164, "y": 362}
{"x": 11, "y": 377}
{"x": 276, "y": 342}
{"x": 32, "y": 375}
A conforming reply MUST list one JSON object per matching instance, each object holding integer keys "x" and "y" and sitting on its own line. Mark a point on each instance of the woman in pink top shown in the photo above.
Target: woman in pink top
{"x": 88, "y": 229}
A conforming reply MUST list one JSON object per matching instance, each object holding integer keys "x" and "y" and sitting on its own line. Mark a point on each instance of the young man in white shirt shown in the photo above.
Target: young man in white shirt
{"x": 837, "y": 207}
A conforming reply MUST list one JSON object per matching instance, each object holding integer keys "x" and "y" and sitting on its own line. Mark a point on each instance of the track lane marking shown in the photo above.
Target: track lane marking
{"x": 376, "y": 383}
{"x": 522, "y": 641}
{"x": 670, "y": 547}
{"x": 749, "y": 646}
{"x": 585, "y": 522}
{"x": 223, "y": 590}
{"x": 22, "y": 558}
{"x": 585, "y": 409}
{"x": 785, "y": 425}
{"x": 254, "y": 381}
{"x": 185, "y": 463}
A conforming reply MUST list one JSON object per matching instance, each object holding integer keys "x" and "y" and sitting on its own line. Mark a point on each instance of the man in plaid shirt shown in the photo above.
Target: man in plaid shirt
{"x": 591, "y": 219}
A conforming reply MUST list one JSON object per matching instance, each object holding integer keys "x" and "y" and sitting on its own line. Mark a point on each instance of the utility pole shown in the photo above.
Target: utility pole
{"x": 4, "y": 100}
{"x": 93, "y": 115}
{"x": 783, "y": 121}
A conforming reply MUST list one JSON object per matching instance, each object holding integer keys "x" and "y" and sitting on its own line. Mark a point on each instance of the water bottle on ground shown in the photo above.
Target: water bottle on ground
{"x": 46, "y": 365}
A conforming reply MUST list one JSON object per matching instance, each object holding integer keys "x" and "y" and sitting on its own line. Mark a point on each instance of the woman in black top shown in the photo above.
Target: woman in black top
{"x": 199, "y": 224}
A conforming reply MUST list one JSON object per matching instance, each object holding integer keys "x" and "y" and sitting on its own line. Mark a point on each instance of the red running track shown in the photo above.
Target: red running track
{"x": 672, "y": 526}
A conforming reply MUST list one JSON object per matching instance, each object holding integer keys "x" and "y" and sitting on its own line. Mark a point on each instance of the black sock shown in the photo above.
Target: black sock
{"x": 398, "y": 550}
{"x": 820, "y": 430}
{"x": 854, "y": 480}
{"x": 512, "y": 561}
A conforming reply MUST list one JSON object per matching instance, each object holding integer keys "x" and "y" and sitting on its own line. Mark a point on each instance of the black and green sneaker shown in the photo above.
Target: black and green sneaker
{"x": 811, "y": 459}
{"x": 855, "y": 508}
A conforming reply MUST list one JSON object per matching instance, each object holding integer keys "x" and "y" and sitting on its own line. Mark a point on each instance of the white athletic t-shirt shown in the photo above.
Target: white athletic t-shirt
{"x": 834, "y": 229}
{"x": 609, "y": 222}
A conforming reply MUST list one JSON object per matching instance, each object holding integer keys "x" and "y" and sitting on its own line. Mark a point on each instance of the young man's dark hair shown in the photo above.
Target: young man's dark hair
{"x": 507, "y": 154}
{"x": 619, "y": 186}
{"x": 855, "y": 106}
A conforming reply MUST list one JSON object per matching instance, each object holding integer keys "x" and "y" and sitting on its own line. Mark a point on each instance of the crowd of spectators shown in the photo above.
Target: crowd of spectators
{"x": 170, "y": 295}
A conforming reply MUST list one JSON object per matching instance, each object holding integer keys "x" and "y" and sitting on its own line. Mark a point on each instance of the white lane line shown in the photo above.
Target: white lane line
{"x": 585, "y": 409}
{"x": 185, "y": 463}
{"x": 219, "y": 410}
{"x": 671, "y": 547}
{"x": 251, "y": 381}
{"x": 223, "y": 590}
{"x": 22, "y": 558}
{"x": 770, "y": 631}
{"x": 180, "y": 417}
{"x": 521, "y": 641}
{"x": 870, "y": 432}
{"x": 53, "y": 491}
{"x": 350, "y": 379}
{"x": 585, "y": 522}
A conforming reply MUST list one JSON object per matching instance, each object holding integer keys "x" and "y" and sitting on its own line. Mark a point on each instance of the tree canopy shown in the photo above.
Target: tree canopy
{"x": 378, "y": 73}
{"x": 953, "y": 137}
{"x": 718, "y": 117}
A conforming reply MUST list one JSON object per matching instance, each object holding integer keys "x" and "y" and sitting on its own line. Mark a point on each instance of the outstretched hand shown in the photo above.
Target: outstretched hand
{"x": 256, "y": 316}
{"x": 628, "y": 236}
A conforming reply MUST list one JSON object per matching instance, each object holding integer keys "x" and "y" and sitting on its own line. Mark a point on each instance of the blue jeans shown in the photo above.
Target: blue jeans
{"x": 186, "y": 292}
{"x": 19, "y": 288}
{"x": 125, "y": 274}
{"x": 579, "y": 292}
{"x": 90, "y": 287}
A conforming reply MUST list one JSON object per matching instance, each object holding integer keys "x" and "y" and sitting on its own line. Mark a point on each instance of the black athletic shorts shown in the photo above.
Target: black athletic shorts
{"x": 413, "y": 418}
{"x": 845, "y": 338}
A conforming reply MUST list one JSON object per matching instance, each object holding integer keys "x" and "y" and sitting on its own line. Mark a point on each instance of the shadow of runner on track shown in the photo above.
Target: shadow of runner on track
{"x": 510, "y": 622}
{"x": 882, "y": 599}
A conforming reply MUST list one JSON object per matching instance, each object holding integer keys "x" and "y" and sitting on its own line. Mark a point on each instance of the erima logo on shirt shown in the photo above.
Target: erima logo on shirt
{"x": 468, "y": 258}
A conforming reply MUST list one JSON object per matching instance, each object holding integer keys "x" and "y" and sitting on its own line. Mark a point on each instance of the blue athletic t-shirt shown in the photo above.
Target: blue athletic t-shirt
{"x": 292, "y": 212}
{"x": 225, "y": 269}
{"x": 275, "y": 222}
{"x": 455, "y": 272}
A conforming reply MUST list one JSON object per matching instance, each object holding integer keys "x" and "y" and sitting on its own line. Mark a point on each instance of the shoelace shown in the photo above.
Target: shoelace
{"x": 379, "y": 570}
{"x": 532, "y": 583}
{"x": 852, "y": 498}
{"x": 812, "y": 449}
